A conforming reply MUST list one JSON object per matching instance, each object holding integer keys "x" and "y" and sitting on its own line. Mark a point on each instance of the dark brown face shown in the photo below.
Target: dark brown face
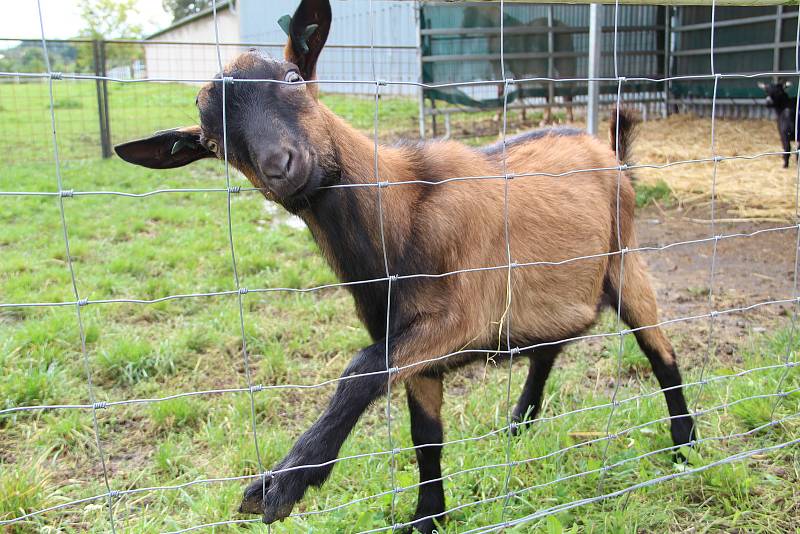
{"x": 266, "y": 139}
{"x": 264, "y": 128}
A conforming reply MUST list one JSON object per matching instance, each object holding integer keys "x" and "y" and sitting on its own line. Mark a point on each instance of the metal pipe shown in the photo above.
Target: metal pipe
{"x": 595, "y": 47}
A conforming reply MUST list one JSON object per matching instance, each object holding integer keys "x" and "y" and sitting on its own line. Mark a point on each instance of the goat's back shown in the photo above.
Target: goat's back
{"x": 561, "y": 218}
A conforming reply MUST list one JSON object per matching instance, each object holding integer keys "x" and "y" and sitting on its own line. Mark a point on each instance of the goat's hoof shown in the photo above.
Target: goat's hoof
{"x": 271, "y": 498}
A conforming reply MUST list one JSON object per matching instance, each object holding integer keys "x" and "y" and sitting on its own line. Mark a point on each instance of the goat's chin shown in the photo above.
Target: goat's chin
{"x": 296, "y": 194}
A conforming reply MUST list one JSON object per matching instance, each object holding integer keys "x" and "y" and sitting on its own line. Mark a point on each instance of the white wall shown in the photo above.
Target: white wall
{"x": 187, "y": 61}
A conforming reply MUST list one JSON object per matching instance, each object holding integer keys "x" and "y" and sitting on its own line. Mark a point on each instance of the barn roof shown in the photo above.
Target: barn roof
{"x": 207, "y": 12}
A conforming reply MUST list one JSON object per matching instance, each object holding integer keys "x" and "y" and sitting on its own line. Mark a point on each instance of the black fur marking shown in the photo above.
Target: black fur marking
{"x": 322, "y": 441}
{"x": 530, "y": 400}
{"x": 563, "y": 131}
{"x": 425, "y": 430}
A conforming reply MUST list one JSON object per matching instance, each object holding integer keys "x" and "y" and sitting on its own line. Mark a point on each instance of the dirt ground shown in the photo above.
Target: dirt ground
{"x": 748, "y": 270}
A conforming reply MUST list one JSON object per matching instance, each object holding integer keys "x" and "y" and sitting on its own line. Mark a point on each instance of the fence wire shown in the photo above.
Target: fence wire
{"x": 506, "y": 494}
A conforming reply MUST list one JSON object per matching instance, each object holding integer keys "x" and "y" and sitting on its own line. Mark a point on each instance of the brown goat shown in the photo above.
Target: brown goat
{"x": 301, "y": 155}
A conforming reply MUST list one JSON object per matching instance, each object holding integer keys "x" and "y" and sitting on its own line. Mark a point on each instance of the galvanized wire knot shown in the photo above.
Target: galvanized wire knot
{"x": 66, "y": 193}
{"x": 227, "y": 79}
{"x": 114, "y": 494}
{"x": 514, "y": 351}
{"x": 393, "y": 370}
{"x": 622, "y": 79}
{"x": 234, "y": 189}
{"x": 510, "y": 81}
{"x": 383, "y": 184}
{"x": 510, "y": 176}
{"x": 102, "y": 405}
{"x": 56, "y": 76}
{"x": 393, "y": 278}
{"x": 256, "y": 388}
{"x": 623, "y": 167}
{"x": 83, "y": 302}
{"x": 243, "y": 290}
{"x": 380, "y": 83}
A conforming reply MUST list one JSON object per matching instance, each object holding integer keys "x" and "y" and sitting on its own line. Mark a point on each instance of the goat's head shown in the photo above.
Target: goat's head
{"x": 776, "y": 93}
{"x": 270, "y": 127}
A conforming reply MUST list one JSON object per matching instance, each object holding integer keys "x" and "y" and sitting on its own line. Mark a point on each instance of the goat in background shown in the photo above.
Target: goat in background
{"x": 785, "y": 109}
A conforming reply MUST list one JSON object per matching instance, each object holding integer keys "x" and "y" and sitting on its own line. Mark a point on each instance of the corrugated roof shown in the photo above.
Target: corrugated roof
{"x": 221, "y": 5}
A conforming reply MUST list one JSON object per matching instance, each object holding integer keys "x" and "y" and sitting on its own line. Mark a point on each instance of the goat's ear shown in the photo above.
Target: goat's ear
{"x": 762, "y": 86}
{"x": 308, "y": 30}
{"x": 165, "y": 150}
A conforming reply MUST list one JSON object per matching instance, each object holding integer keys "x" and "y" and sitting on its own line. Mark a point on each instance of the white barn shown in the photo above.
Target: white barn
{"x": 185, "y": 50}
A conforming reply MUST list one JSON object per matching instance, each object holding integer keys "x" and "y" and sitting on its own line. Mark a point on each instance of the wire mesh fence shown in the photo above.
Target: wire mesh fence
{"x": 513, "y": 480}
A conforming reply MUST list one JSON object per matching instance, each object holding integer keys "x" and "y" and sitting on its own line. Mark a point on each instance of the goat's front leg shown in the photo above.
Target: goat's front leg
{"x": 276, "y": 495}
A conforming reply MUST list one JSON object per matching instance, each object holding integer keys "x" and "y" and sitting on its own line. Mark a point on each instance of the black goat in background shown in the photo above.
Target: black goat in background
{"x": 785, "y": 107}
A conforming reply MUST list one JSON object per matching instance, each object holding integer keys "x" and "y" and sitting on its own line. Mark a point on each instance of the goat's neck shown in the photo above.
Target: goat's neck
{"x": 346, "y": 221}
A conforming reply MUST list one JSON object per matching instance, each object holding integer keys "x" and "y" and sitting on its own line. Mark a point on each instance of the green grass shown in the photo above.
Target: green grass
{"x": 657, "y": 192}
{"x": 178, "y": 244}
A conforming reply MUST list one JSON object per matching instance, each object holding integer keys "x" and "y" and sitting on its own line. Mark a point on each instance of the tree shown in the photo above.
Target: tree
{"x": 109, "y": 19}
{"x": 184, "y": 8}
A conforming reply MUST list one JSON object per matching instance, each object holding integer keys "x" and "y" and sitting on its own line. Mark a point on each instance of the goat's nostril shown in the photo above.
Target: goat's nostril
{"x": 289, "y": 158}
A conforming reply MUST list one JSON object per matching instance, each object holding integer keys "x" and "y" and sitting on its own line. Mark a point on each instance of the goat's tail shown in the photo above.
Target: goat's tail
{"x": 622, "y": 130}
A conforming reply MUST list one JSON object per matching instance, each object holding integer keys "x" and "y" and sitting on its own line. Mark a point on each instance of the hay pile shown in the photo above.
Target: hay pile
{"x": 756, "y": 189}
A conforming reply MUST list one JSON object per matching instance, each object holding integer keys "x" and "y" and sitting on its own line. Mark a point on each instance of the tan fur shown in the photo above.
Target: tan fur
{"x": 551, "y": 219}
{"x": 427, "y": 391}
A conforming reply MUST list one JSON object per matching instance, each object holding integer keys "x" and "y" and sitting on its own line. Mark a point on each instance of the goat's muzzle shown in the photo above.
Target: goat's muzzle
{"x": 285, "y": 169}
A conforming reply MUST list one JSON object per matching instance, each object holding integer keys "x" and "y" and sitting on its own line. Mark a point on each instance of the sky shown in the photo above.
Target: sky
{"x": 62, "y": 19}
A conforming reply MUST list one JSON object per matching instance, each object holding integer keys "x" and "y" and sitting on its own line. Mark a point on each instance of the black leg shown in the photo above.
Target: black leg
{"x": 787, "y": 147}
{"x": 639, "y": 311}
{"x": 321, "y": 442}
{"x": 530, "y": 400}
{"x": 424, "y": 403}
{"x": 668, "y": 376}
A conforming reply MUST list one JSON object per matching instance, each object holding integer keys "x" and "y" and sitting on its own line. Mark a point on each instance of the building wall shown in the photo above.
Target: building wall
{"x": 193, "y": 61}
{"x": 392, "y": 23}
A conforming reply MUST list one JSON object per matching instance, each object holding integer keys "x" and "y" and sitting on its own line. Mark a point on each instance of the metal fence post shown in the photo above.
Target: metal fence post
{"x": 418, "y": 17}
{"x": 667, "y": 59}
{"x": 101, "y": 85}
{"x": 551, "y": 89}
{"x": 595, "y": 48}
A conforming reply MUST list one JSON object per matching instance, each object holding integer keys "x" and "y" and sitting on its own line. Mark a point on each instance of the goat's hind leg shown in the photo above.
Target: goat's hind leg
{"x": 639, "y": 310}
{"x": 530, "y": 400}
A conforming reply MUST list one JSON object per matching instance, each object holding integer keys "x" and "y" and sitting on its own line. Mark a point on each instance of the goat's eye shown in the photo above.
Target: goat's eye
{"x": 212, "y": 146}
{"x": 293, "y": 77}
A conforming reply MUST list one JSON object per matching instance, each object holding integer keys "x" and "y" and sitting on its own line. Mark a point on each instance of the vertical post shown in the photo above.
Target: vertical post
{"x": 667, "y": 56}
{"x": 98, "y": 55}
{"x": 418, "y": 20}
{"x": 551, "y": 90}
{"x": 595, "y": 49}
{"x": 107, "y": 151}
{"x": 776, "y": 55}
